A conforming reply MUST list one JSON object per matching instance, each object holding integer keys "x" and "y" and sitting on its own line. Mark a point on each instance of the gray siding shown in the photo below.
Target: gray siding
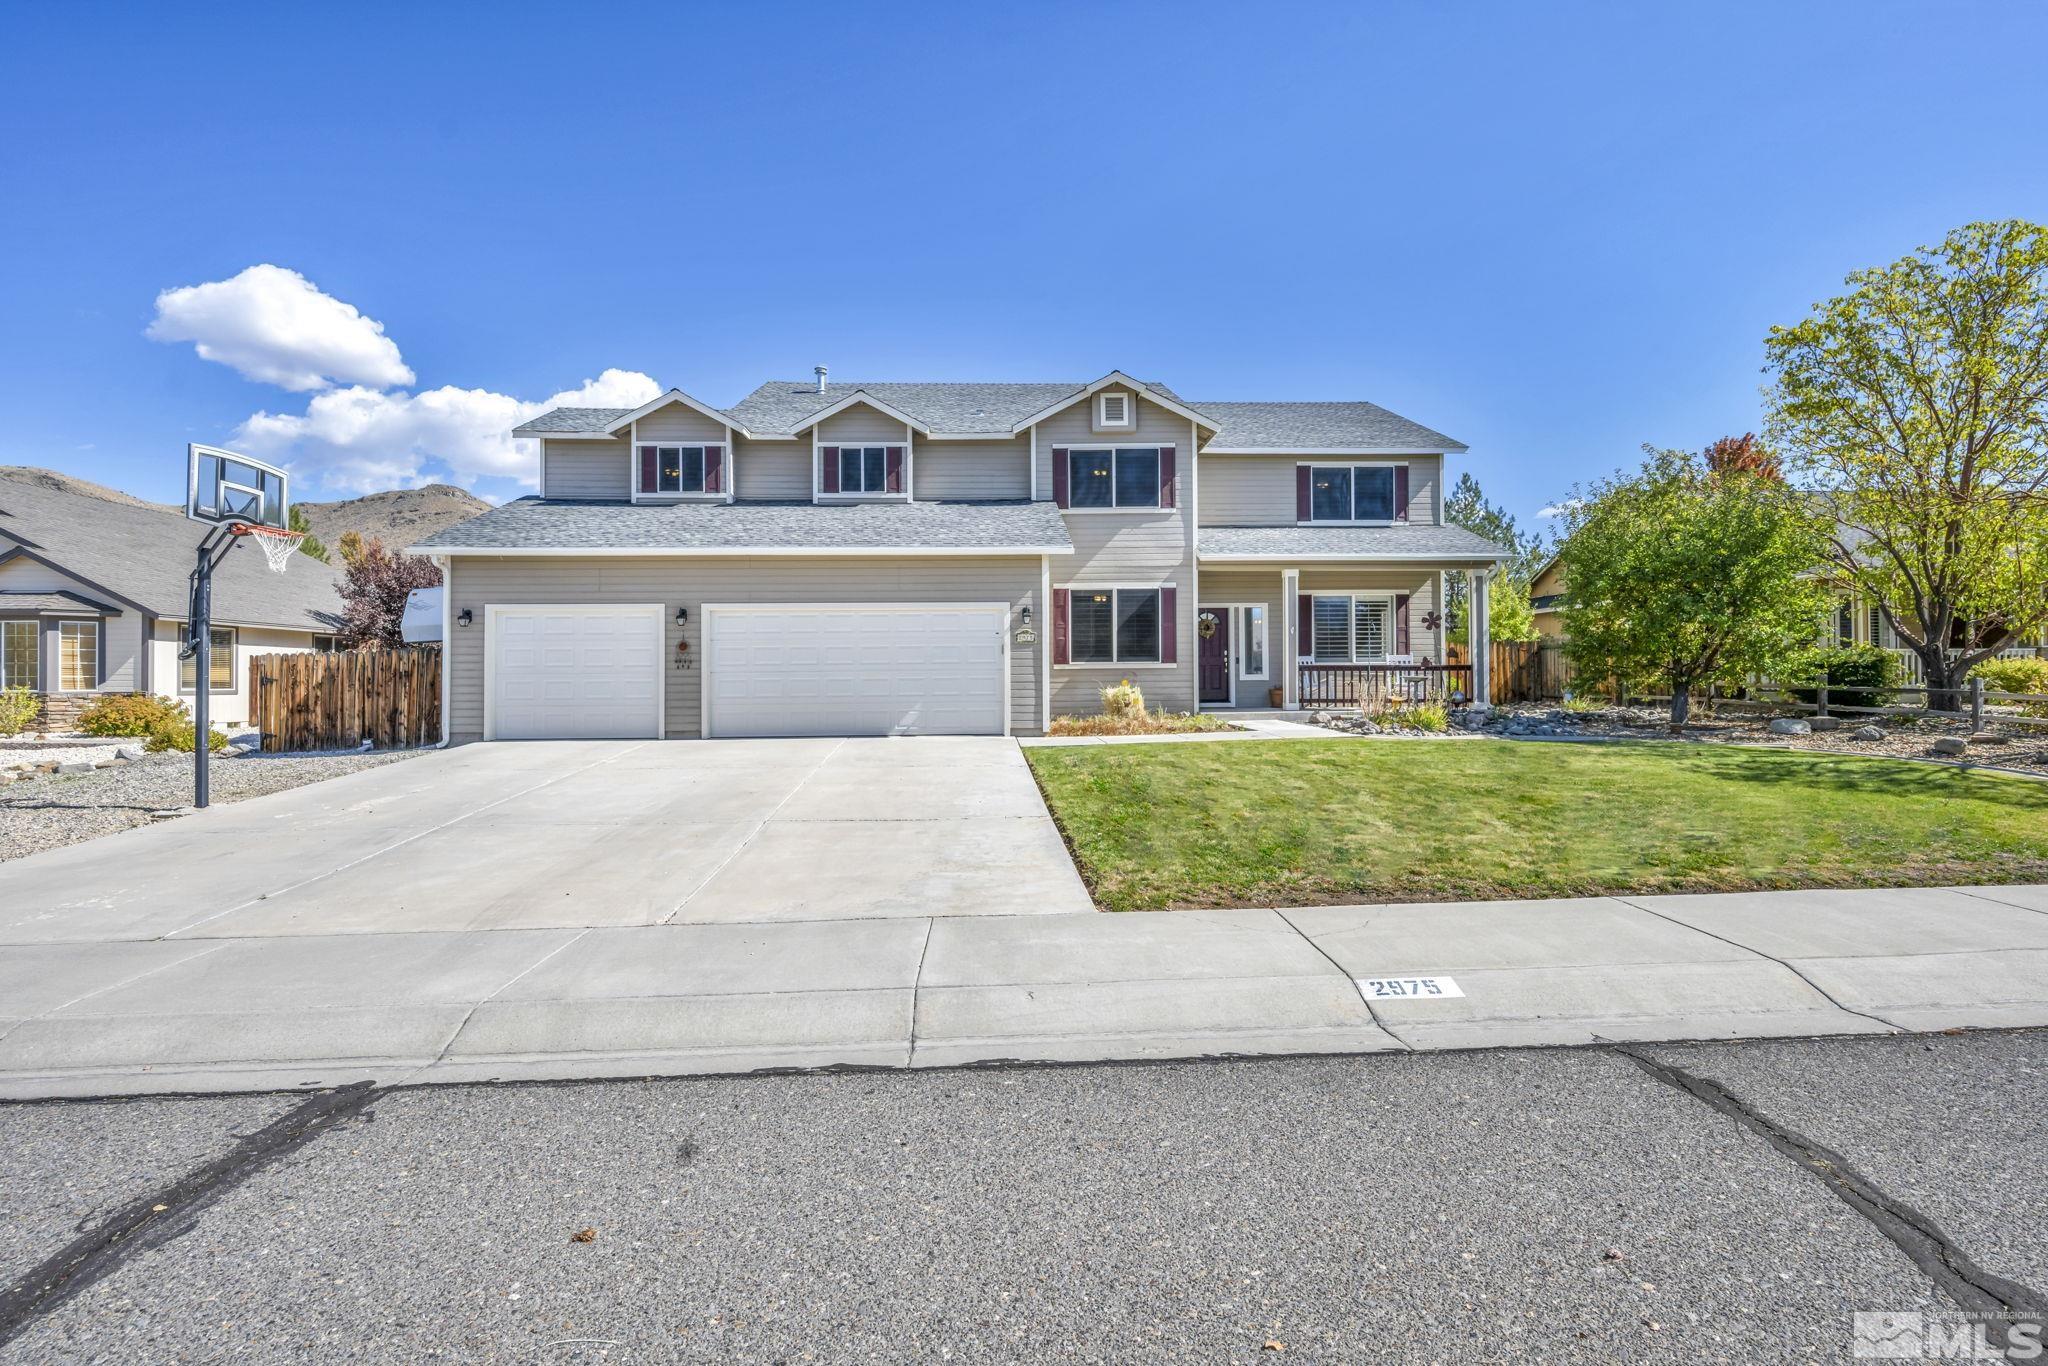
{"x": 772, "y": 471}
{"x": 587, "y": 469}
{"x": 973, "y": 469}
{"x": 120, "y": 642}
{"x": 864, "y": 424}
{"x": 1258, "y": 490}
{"x": 679, "y": 423}
{"x": 1135, "y": 549}
{"x": 476, "y": 582}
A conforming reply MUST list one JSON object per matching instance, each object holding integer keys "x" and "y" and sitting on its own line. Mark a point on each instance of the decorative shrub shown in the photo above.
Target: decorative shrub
{"x": 2021, "y": 674}
{"x": 130, "y": 714}
{"x": 1856, "y": 675}
{"x": 177, "y": 734}
{"x": 1123, "y": 700}
{"x": 1421, "y": 716}
{"x": 18, "y": 707}
{"x": 1140, "y": 723}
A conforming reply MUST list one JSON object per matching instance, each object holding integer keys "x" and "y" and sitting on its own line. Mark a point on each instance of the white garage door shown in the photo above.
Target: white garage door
{"x": 575, "y": 673}
{"x": 905, "y": 669}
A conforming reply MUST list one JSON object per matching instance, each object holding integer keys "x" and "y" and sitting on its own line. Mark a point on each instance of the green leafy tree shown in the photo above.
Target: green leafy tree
{"x": 1685, "y": 577}
{"x": 1466, "y": 506}
{"x": 309, "y": 544}
{"x": 1916, "y": 404}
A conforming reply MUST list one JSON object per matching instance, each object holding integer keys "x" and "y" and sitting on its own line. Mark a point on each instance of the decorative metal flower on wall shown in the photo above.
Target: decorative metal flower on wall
{"x": 1432, "y": 619}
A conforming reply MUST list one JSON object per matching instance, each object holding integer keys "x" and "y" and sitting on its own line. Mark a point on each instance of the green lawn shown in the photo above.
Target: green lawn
{"x": 1300, "y": 822}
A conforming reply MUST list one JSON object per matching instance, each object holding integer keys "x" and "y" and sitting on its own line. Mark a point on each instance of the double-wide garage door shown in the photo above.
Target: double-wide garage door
{"x": 589, "y": 672}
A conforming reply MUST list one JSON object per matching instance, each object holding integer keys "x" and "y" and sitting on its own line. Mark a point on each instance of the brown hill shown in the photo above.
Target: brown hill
{"x": 398, "y": 518}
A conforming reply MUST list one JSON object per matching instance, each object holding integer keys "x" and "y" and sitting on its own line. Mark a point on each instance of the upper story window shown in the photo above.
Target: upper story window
{"x": 1113, "y": 412}
{"x": 1353, "y": 493}
{"x": 681, "y": 469}
{"x": 862, "y": 470}
{"x": 1113, "y": 477}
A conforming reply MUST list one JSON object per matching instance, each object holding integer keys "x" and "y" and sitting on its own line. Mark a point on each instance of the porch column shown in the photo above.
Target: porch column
{"x": 1481, "y": 647}
{"x": 1290, "y": 639}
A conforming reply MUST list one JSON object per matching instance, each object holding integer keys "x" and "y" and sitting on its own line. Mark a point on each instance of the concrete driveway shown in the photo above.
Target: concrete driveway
{"x": 576, "y": 835}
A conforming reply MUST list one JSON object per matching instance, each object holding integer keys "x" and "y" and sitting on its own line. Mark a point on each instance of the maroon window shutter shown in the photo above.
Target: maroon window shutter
{"x": 1059, "y": 625}
{"x": 1301, "y": 494}
{"x": 714, "y": 469}
{"x": 830, "y": 456}
{"x": 1401, "y": 646}
{"x": 1401, "y": 498}
{"x": 1168, "y": 636}
{"x": 1304, "y": 616}
{"x": 1059, "y": 476}
{"x": 893, "y": 458}
{"x": 649, "y": 479}
{"x": 1166, "y": 480}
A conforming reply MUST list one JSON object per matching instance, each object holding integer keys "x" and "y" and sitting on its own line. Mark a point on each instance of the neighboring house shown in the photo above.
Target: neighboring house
{"x": 940, "y": 558}
{"x": 1546, "y": 598}
{"x": 93, "y": 597}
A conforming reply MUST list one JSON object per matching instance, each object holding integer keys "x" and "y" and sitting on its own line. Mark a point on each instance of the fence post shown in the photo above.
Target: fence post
{"x": 1976, "y": 702}
{"x": 1820, "y": 699}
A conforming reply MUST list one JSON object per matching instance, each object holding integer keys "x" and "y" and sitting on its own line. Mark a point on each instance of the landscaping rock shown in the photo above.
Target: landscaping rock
{"x": 70, "y": 770}
{"x": 1791, "y": 725}
{"x": 131, "y": 753}
{"x": 1869, "y": 733}
{"x": 1825, "y": 723}
{"x": 1989, "y": 737}
{"x": 1950, "y": 744}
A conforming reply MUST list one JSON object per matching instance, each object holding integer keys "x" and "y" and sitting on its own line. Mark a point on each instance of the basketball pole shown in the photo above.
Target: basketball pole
{"x": 199, "y": 648}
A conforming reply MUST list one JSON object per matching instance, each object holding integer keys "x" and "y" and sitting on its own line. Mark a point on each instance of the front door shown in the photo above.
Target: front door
{"x": 1213, "y": 658}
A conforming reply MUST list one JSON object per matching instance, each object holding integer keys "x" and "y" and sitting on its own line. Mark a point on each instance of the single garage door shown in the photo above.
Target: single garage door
{"x": 574, "y": 672}
{"x": 904, "y": 669}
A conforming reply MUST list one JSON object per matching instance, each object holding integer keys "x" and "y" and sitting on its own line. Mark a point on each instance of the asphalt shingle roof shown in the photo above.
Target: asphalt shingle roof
{"x": 781, "y": 406}
{"x": 52, "y": 603}
{"x": 561, "y": 524}
{"x": 1391, "y": 542}
{"x": 144, "y": 554}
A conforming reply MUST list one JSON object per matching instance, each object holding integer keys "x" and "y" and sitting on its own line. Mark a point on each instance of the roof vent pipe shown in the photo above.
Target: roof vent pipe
{"x": 821, "y": 377}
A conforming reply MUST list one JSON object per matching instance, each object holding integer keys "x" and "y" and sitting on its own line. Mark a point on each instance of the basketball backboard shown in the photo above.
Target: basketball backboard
{"x": 221, "y": 487}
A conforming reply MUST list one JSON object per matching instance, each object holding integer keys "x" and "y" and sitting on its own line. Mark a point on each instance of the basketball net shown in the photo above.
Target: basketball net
{"x": 278, "y": 545}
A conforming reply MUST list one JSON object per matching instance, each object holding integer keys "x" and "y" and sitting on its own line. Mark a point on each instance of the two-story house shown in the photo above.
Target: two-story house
{"x": 844, "y": 559}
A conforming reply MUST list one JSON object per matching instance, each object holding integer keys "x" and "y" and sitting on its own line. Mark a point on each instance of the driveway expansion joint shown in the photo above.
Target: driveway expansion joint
{"x": 1923, "y": 1241}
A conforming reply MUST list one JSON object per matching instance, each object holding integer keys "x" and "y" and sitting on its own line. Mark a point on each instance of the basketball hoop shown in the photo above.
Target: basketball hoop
{"x": 276, "y": 543}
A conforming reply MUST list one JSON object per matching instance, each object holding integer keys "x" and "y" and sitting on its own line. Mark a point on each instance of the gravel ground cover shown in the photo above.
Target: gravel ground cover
{"x": 48, "y": 811}
{"x": 2017, "y": 746}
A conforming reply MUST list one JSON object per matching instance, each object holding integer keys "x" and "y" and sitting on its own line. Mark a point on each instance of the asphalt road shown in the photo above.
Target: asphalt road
{"x": 1580, "y": 1204}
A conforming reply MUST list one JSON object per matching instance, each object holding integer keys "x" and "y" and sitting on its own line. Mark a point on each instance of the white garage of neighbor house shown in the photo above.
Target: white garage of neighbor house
{"x": 93, "y": 601}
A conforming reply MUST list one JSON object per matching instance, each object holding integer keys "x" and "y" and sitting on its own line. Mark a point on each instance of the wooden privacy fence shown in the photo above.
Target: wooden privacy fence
{"x": 1523, "y": 670}
{"x": 391, "y": 698}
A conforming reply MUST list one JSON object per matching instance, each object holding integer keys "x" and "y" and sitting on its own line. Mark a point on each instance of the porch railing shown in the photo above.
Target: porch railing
{"x": 1377, "y": 685}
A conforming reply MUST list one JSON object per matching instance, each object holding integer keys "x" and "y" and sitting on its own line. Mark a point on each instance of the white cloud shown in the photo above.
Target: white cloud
{"x": 359, "y": 440}
{"x": 275, "y": 326}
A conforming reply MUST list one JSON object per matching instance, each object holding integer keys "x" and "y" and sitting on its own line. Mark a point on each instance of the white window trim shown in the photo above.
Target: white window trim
{"x": 99, "y": 652}
{"x": 1115, "y": 454}
{"x": 234, "y": 665}
{"x": 818, "y": 445}
{"x": 1351, "y": 601}
{"x": 1313, "y": 465}
{"x": 1116, "y": 661}
{"x": 1129, "y": 421}
{"x": 696, "y": 495}
{"x": 35, "y": 636}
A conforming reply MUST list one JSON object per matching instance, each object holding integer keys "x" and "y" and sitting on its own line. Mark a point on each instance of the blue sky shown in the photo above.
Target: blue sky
{"x": 1555, "y": 232}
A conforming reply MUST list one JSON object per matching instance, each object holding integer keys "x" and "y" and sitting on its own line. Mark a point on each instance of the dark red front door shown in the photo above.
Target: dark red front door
{"x": 1213, "y": 659}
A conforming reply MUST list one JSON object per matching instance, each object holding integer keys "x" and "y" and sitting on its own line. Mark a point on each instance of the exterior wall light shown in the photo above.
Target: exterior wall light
{"x": 682, "y": 616}
{"x": 1024, "y": 617}
{"x": 464, "y": 617}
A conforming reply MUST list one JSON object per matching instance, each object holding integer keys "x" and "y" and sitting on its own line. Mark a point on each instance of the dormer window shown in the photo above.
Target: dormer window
{"x": 1370, "y": 494}
{"x": 1113, "y": 411}
{"x": 673, "y": 471}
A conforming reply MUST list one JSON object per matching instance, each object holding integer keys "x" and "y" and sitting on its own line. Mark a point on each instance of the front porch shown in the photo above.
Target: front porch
{"x": 1321, "y": 634}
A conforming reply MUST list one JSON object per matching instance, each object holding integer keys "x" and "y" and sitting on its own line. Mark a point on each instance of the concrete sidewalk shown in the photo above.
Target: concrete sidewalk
{"x": 267, "y": 1011}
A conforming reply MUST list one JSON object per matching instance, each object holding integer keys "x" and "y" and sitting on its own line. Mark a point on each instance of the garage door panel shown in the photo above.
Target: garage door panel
{"x": 576, "y": 672}
{"x": 838, "y": 671}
